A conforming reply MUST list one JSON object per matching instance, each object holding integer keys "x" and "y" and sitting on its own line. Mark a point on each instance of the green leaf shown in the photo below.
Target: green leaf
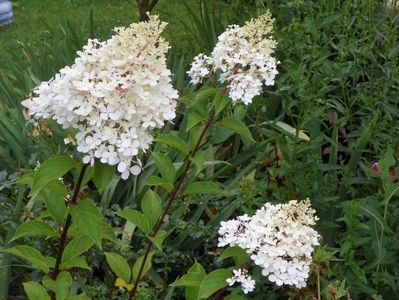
{"x": 137, "y": 218}
{"x": 201, "y": 100}
{"x": 205, "y": 93}
{"x": 158, "y": 181}
{"x": 30, "y": 254}
{"x": 291, "y": 130}
{"x": 194, "y": 276}
{"x": 88, "y": 219}
{"x": 75, "y": 262}
{"x": 191, "y": 293}
{"x": 55, "y": 204}
{"x": 35, "y": 291}
{"x": 80, "y": 297}
{"x": 103, "y": 174}
{"x": 60, "y": 286}
{"x": 213, "y": 282}
{"x": 234, "y": 297}
{"x": 119, "y": 266}
{"x": 237, "y": 127}
{"x": 203, "y": 187}
{"x": 151, "y": 206}
{"x": 107, "y": 232}
{"x": 175, "y": 142}
{"x": 75, "y": 248}
{"x": 193, "y": 119}
{"x": 33, "y": 228}
{"x": 51, "y": 170}
{"x": 190, "y": 279}
{"x": 165, "y": 166}
{"x": 159, "y": 238}
{"x": 137, "y": 264}
{"x": 239, "y": 255}
{"x": 220, "y": 102}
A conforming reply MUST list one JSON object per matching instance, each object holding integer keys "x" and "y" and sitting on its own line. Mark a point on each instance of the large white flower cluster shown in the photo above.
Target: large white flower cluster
{"x": 114, "y": 94}
{"x": 278, "y": 238}
{"x": 243, "y": 55}
{"x": 241, "y": 276}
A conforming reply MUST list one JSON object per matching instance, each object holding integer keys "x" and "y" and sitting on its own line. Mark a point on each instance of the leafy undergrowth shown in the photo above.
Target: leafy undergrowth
{"x": 331, "y": 115}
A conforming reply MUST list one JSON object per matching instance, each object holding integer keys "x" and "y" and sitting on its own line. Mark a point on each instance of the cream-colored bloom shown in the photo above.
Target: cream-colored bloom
{"x": 244, "y": 56}
{"x": 114, "y": 94}
{"x": 278, "y": 238}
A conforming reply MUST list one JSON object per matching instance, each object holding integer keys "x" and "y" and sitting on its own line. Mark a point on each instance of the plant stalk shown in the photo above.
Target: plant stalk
{"x": 172, "y": 197}
{"x": 67, "y": 224}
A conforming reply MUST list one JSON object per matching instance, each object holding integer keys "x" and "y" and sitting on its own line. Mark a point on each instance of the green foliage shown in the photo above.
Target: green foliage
{"x": 88, "y": 220}
{"x": 200, "y": 285}
{"x": 119, "y": 266}
{"x": 60, "y": 286}
{"x": 49, "y": 171}
{"x": 32, "y": 255}
{"x": 35, "y": 291}
{"x": 331, "y": 115}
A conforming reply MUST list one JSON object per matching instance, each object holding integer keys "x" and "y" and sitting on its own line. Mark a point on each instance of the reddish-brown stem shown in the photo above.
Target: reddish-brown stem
{"x": 172, "y": 197}
{"x": 67, "y": 224}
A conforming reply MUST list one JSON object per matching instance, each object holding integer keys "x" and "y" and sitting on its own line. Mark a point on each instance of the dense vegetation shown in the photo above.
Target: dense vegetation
{"x": 332, "y": 113}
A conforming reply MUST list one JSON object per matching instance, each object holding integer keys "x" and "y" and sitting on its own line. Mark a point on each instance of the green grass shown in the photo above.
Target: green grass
{"x": 33, "y": 17}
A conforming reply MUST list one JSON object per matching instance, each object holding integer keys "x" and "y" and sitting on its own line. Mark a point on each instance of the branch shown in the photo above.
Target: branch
{"x": 172, "y": 197}
{"x": 67, "y": 224}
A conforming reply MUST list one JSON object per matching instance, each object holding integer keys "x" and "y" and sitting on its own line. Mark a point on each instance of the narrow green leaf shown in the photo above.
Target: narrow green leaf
{"x": 204, "y": 93}
{"x": 119, "y": 266}
{"x": 103, "y": 174}
{"x": 203, "y": 187}
{"x": 191, "y": 293}
{"x": 165, "y": 166}
{"x": 213, "y": 282}
{"x": 194, "y": 276}
{"x": 55, "y": 204}
{"x": 232, "y": 251}
{"x": 75, "y": 248}
{"x": 189, "y": 279}
{"x": 193, "y": 119}
{"x": 33, "y": 228}
{"x": 237, "y": 127}
{"x": 137, "y": 264}
{"x": 158, "y": 181}
{"x": 137, "y": 218}
{"x": 80, "y": 297}
{"x": 159, "y": 238}
{"x": 234, "y": 297}
{"x": 30, "y": 254}
{"x": 175, "y": 142}
{"x": 60, "y": 286}
{"x": 220, "y": 102}
{"x": 51, "y": 170}
{"x": 88, "y": 219}
{"x": 75, "y": 262}
{"x": 35, "y": 291}
{"x": 151, "y": 206}
{"x": 107, "y": 232}
{"x": 238, "y": 254}
{"x": 290, "y": 130}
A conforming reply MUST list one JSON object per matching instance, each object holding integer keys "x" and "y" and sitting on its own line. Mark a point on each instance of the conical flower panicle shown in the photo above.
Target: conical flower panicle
{"x": 114, "y": 94}
{"x": 244, "y": 56}
{"x": 278, "y": 238}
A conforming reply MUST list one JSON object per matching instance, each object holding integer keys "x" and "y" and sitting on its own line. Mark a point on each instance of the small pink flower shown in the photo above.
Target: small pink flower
{"x": 374, "y": 166}
{"x": 394, "y": 175}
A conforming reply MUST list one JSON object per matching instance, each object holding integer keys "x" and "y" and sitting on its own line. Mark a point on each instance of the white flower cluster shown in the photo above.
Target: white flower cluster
{"x": 278, "y": 238}
{"x": 243, "y": 55}
{"x": 114, "y": 93}
{"x": 241, "y": 276}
